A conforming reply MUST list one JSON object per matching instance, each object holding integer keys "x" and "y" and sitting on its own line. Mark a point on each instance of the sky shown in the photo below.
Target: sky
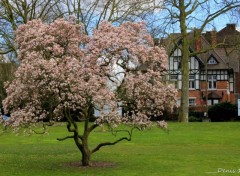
{"x": 197, "y": 17}
{"x": 222, "y": 21}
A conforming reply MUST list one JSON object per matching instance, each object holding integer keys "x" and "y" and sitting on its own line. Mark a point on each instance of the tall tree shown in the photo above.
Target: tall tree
{"x": 16, "y": 12}
{"x": 187, "y": 15}
{"x": 92, "y": 12}
{"x": 7, "y": 70}
{"x": 64, "y": 73}
{"x": 89, "y": 12}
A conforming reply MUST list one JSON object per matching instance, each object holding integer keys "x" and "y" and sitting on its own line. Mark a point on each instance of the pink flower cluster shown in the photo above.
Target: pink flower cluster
{"x": 63, "y": 68}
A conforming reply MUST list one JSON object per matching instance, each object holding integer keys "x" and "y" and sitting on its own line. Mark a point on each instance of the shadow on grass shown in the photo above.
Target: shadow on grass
{"x": 94, "y": 164}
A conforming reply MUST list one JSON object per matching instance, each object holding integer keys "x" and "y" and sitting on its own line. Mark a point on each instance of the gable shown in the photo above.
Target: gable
{"x": 175, "y": 61}
{"x": 212, "y": 60}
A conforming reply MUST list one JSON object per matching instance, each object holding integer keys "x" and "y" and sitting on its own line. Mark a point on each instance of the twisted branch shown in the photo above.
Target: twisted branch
{"x": 129, "y": 138}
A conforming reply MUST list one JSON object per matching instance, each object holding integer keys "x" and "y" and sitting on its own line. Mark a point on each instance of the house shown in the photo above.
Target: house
{"x": 214, "y": 74}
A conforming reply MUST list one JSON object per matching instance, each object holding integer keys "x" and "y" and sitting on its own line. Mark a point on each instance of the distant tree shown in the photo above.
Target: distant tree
{"x": 186, "y": 15}
{"x": 7, "y": 70}
{"x": 16, "y": 12}
{"x": 64, "y": 73}
{"x": 89, "y": 12}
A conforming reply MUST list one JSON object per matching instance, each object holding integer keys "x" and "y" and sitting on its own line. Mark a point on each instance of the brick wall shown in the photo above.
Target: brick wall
{"x": 221, "y": 91}
{"x": 196, "y": 94}
{"x": 222, "y": 84}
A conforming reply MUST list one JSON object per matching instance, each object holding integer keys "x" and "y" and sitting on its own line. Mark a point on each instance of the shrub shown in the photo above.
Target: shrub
{"x": 194, "y": 119}
{"x": 168, "y": 116}
{"x": 195, "y": 116}
{"x": 222, "y": 112}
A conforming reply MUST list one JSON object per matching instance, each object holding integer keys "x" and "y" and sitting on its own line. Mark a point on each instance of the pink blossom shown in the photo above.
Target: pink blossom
{"x": 63, "y": 68}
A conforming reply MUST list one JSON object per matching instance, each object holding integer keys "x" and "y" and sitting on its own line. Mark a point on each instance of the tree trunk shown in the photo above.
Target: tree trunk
{"x": 86, "y": 153}
{"x": 84, "y": 149}
{"x": 86, "y": 156}
{"x": 183, "y": 114}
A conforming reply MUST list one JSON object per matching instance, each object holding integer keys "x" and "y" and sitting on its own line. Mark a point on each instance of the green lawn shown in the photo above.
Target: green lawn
{"x": 192, "y": 149}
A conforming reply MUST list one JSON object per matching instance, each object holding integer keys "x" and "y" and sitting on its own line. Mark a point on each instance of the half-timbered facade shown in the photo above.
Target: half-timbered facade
{"x": 214, "y": 75}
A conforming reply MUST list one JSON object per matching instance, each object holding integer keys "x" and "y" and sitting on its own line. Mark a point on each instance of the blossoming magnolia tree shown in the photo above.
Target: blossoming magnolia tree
{"x": 64, "y": 73}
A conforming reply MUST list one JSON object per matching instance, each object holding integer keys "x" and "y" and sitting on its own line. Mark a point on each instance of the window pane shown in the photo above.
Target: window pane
{"x": 192, "y": 77}
{"x": 209, "y": 85}
{"x": 179, "y": 84}
{"x": 215, "y": 101}
{"x": 226, "y": 77}
{"x": 209, "y": 102}
{"x": 191, "y": 84}
{"x": 192, "y": 102}
{"x": 214, "y": 85}
{"x": 222, "y": 77}
{"x": 173, "y": 77}
{"x": 175, "y": 65}
{"x": 231, "y": 86}
{"x": 197, "y": 84}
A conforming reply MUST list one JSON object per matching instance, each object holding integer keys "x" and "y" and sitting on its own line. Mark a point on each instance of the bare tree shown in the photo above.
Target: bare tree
{"x": 16, "y": 12}
{"x": 12, "y": 14}
{"x": 185, "y": 15}
{"x": 89, "y": 12}
{"x": 92, "y": 12}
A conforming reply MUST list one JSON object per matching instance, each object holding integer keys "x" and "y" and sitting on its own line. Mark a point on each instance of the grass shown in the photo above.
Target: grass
{"x": 189, "y": 149}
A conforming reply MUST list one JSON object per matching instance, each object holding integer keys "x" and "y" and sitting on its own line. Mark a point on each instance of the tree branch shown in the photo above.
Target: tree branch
{"x": 206, "y": 50}
{"x": 129, "y": 138}
{"x": 91, "y": 128}
{"x": 217, "y": 13}
{"x": 109, "y": 143}
{"x": 67, "y": 137}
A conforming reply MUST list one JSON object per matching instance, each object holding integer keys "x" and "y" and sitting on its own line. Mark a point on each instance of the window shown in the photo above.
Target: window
{"x": 174, "y": 80}
{"x": 215, "y": 101}
{"x": 209, "y": 102}
{"x": 212, "y": 81}
{"x": 212, "y": 61}
{"x": 191, "y": 84}
{"x": 192, "y": 101}
{"x": 191, "y": 81}
{"x": 173, "y": 77}
{"x": 212, "y": 102}
{"x": 176, "y": 63}
{"x": 219, "y": 74}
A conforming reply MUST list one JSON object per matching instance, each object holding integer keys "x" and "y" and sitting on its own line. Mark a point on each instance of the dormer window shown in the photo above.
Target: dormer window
{"x": 212, "y": 61}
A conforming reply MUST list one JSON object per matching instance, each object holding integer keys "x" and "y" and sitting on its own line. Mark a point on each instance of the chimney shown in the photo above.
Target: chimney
{"x": 231, "y": 27}
{"x": 214, "y": 38}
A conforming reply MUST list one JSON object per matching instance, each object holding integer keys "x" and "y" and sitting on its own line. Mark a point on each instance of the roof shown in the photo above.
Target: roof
{"x": 227, "y": 55}
{"x": 214, "y": 95}
{"x": 229, "y": 35}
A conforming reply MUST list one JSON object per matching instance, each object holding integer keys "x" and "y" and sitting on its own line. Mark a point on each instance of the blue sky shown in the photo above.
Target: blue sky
{"x": 222, "y": 21}
{"x": 199, "y": 15}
